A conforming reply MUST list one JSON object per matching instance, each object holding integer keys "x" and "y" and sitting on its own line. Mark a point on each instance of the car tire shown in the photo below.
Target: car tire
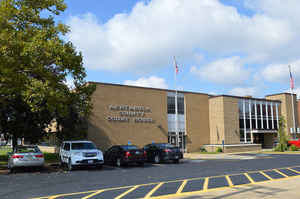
{"x": 141, "y": 164}
{"x": 70, "y": 166}
{"x": 99, "y": 166}
{"x": 176, "y": 161}
{"x": 157, "y": 159}
{"x": 118, "y": 162}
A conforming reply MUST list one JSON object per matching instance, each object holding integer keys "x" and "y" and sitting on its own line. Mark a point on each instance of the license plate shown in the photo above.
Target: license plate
{"x": 29, "y": 157}
{"x": 137, "y": 152}
{"x": 90, "y": 161}
{"x": 176, "y": 157}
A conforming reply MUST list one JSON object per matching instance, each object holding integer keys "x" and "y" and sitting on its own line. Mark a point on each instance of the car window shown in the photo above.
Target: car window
{"x": 147, "y": 147}
{"x": 163, "y": 146}
{"x": 27, "y": 149}
{"x": 67, "y": 146}
{"x": 83, "y": 145}
{"x": 129, "y": 147}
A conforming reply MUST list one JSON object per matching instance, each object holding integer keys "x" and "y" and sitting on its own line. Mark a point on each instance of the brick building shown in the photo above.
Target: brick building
{"x": 128, "y": 114}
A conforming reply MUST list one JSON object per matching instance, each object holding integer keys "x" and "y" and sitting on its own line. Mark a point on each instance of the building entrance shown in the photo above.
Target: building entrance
{"x": 172, "y": 139}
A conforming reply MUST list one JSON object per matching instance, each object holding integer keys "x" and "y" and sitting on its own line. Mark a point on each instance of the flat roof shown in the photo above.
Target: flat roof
{"x": 180, "y": 91}
{"x": 159, "y": 89}
{"x": 247, "y": 97}
{"x": 280, "y": 94}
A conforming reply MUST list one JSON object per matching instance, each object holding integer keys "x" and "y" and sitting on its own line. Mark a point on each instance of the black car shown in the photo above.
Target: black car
{"x": 160, "y": 152}
{"x": 120, "y": 155}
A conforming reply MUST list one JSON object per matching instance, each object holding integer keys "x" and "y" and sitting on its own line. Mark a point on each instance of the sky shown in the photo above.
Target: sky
{"x": 233, "y": 47}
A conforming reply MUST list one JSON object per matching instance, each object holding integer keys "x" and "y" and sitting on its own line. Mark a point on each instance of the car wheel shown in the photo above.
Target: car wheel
{"x": 157, "y": 159}
{"x": 176, "y": 161}
{"x": 99, "y": 166}
{"x": 118, "y": 162}
{"x": 141, "y": 163}
{"x": 70, "y": 166}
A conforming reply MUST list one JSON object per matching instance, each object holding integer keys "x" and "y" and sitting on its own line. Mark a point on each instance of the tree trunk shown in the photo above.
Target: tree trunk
{"x": 14, "y": 142}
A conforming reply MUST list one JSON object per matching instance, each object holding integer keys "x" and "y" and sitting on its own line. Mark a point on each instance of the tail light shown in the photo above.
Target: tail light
{"x": 17, "y": 156}
{"x": 145, "y": 153}
{"x": 39, "y": 156}
{"x": 167, "y": 150}
{"x": 127, "y": 154}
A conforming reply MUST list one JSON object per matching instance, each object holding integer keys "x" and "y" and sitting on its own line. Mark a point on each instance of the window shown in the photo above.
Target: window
{"x": 67, "y": 147}
{"x": 83, "y": 145}
{"x": 171, "y": 105}
{"x": 129, "y": 147}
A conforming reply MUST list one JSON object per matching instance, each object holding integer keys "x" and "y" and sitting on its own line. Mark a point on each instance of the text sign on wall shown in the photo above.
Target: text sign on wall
{"x": 136, "y": 114}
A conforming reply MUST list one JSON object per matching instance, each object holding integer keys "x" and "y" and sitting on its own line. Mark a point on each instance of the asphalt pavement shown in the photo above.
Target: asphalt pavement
{"x": 149, "y": 181}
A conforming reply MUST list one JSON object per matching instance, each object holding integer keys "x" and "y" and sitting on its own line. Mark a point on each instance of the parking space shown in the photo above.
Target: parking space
{"x": 171, "y": 189}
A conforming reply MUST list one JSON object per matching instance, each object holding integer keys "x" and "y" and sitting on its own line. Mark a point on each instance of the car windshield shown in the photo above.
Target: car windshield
{"x": 129, "y": 147}
{"x": 83, "y": 145}
{"x": 27, "y": 149}
{"x": 162, "y": 146}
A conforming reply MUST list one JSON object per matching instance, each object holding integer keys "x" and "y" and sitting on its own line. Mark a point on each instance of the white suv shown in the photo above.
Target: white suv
{"x": 80, "y": 153}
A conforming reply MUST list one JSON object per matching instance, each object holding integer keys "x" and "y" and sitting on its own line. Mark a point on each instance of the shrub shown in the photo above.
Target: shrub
{"x": 219, "y": 150}
{"x": 293, "y": 148}
{"x": 202, "y": 149}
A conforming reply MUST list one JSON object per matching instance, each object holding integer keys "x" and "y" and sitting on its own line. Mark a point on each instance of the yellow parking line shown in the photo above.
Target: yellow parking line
{"x": 281, "y": 173}
{"x": 153, "y": 190}
{"x": 67, "y": 194}
{"x": 249, "y": 178}
{"x": 205, "y": 185}
{"x": 181, "y": 187}
{"x": 127, "y": 192}
{"x": 294, "y": 170}
{"x": 266, "y": 175}
{"x": 93, "y": 194}
{"x": 229, "y": 181}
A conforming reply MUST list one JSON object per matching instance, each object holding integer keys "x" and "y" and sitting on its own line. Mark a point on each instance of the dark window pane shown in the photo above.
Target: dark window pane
{"x": 241, "y": 123}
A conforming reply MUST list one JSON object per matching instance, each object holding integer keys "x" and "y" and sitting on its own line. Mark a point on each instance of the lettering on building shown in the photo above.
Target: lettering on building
{"x": 127, "y": 114}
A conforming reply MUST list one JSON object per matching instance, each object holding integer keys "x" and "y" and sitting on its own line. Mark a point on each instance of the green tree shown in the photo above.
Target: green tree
{"x": 34, "y": 64}
{"x": 282, "y": 137}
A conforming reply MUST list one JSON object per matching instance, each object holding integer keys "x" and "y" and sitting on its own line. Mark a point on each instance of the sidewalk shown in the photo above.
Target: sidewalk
{"x": 286, "y": 188}
{"x": 229, "y": 156}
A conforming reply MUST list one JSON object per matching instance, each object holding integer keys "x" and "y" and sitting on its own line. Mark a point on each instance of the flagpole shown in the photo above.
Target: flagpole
{"x": 293, "y": 111}
{"x": 176, "y": 106}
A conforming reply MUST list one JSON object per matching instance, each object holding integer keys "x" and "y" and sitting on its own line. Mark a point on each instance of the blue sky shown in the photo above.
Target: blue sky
{"x": 237, "y": 47}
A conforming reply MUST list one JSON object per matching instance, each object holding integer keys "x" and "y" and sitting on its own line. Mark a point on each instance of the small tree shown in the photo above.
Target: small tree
{"x": 282, "y": 137}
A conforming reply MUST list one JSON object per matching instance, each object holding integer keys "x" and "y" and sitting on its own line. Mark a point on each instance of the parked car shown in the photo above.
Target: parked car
{"x": 160, "y": 152}
{"x": 294, "y": 142}
{"x": 25, "y": 156}
{"x": 80, "y": 153}
{"x": 120, "y": 155}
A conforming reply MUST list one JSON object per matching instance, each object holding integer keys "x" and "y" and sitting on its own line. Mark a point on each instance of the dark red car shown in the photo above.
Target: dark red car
{"x": 295, "y": 142}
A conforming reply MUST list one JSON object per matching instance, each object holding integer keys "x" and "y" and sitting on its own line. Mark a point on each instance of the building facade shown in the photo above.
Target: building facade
{"x": 136, "y": 115}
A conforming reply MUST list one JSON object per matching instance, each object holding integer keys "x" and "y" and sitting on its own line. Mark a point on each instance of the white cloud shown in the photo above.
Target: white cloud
{"x": 223, "y": 71}
{"x": 152, "y": 81}
{"x": 280, "y": 72}
{"x": 239, "y": 91}
{"x": 148, "y": 36}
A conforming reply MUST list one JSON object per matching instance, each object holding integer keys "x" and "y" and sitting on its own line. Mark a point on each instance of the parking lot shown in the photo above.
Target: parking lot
{"x": 151, "y": 180}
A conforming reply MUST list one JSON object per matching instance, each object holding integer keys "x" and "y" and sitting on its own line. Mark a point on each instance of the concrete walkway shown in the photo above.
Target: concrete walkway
{"x": 230, "y": 156}
{"x": 285, "y": 188}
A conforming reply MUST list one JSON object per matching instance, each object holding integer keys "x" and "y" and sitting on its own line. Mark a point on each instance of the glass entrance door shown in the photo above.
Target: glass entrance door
{"x": 172, "y": 139}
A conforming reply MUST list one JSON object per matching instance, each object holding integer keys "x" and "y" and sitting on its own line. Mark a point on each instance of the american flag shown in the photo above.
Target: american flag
{"x": 176, "y": 66}
{"x": 291, "y": 79}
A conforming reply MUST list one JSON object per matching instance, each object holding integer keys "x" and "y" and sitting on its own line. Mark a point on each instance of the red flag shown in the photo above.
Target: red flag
{"x": 291, "y": 79}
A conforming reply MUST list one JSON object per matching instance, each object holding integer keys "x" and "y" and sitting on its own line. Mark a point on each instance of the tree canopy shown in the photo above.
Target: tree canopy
{"x": 35, "y": 63}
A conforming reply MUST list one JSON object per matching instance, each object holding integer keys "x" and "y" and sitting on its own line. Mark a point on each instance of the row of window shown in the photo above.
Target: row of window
{"x": 259, "y": 125}
{"x": 263, "y": 108}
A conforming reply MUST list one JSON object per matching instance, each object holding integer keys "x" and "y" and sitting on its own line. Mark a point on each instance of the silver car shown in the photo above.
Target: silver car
{"x": 25, "y": 156}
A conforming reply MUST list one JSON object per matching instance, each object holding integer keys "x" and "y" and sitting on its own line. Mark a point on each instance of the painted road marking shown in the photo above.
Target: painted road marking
{"x": 184, "y": 187}
{"x": 205, "y": 185}
{"x": 249, "y": 178}
{"x": 229, "y": 181}
{"x": 127, "y": 192}
{"x": 281, "y": 173}
{"x": 294, "y": 170}
{"x": 153, "y": 190}
{"x": 266, "y": 175}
